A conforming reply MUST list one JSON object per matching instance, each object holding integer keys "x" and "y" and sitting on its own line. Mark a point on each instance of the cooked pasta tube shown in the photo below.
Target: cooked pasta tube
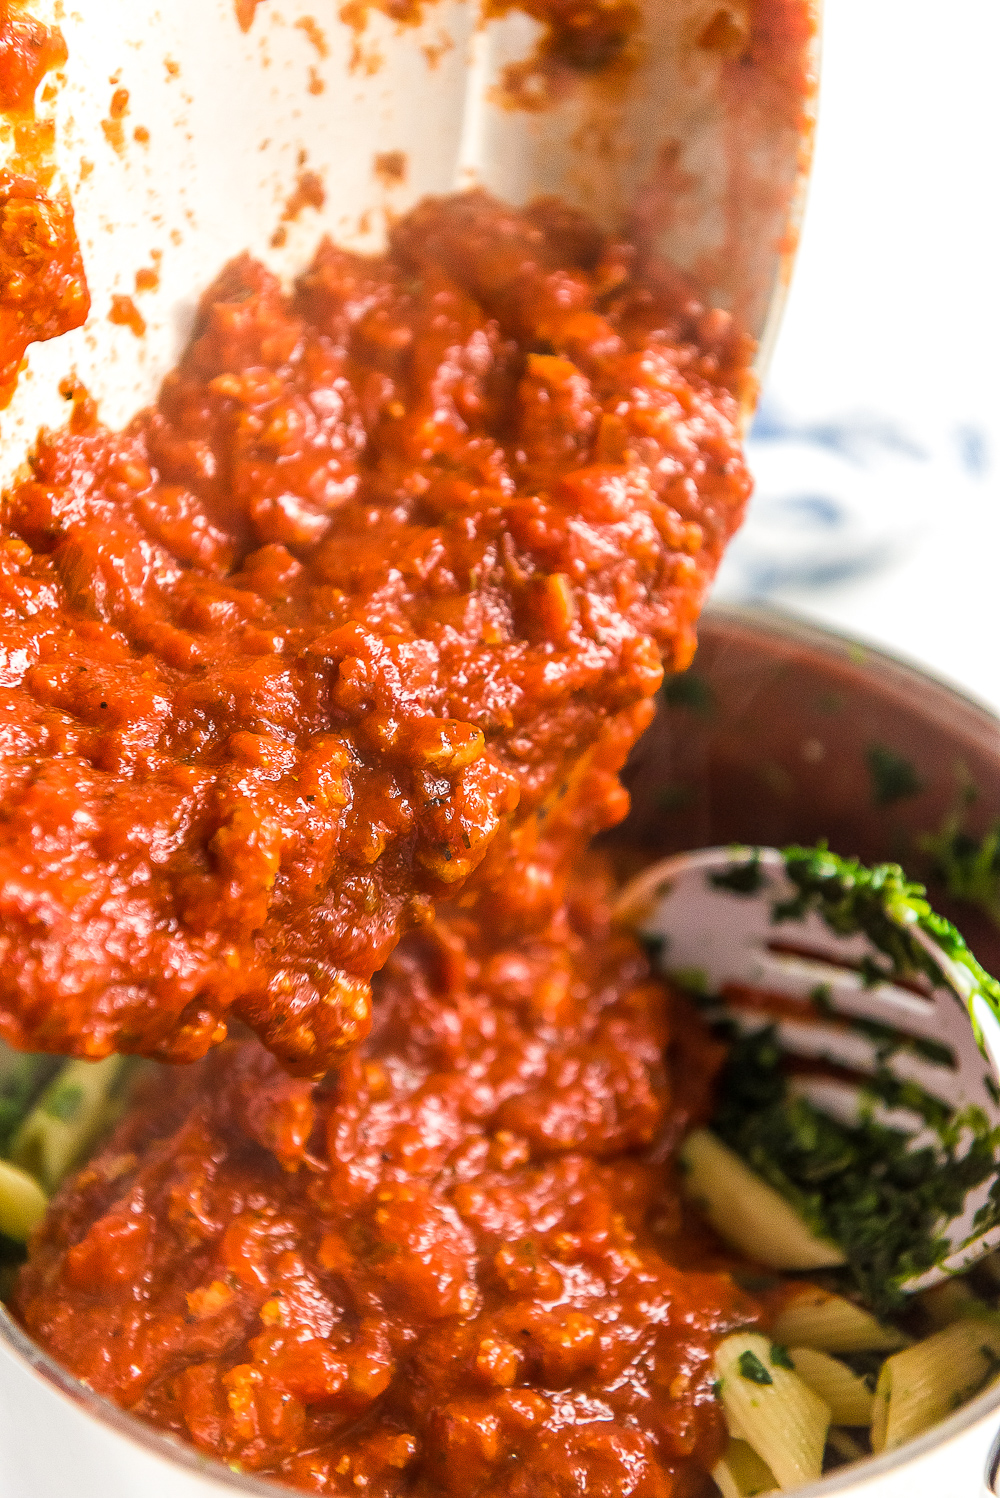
{"x": 949, "y": 1301}
{"x": 771, "y": 1408}
{"x": 843, "y": 1444}
{"x": 741, "y": 1473}
{"x": 922, "y": 1384}
{"x": 66, "y": 1120}
{"x": 22, "y": 1202}
{"x": 848, "y": 1396}
{"x": 815, "y": 1318}
{"x": 747, "y": 1212}
{"x": 22, "y": 1078}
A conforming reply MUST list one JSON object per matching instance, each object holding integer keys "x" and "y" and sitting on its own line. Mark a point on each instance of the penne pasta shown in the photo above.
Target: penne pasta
{"x": 948, "y": 1302}
{"x": 849, "y": 1397}
{"x": 747, "y": 1212}
{"x": 22, "y": 1078}
{"x": 922, "y": 1384}
{"x": 815, "y": 1318}
{"x": 66, "y": 1120}
{"x": 989, "y": 1266}
{"x": 742, "y": 1474}
{"x": 844, "y": 1445}
{"x": 771, "y": 1408}
{"x": 22, "y": 1202}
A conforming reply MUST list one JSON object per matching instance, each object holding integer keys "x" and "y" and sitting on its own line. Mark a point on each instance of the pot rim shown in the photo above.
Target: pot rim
{"x": 756, "y": 618}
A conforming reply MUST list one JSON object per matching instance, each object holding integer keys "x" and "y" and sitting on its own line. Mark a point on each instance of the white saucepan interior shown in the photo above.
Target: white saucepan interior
{"x": 228, "y": 120}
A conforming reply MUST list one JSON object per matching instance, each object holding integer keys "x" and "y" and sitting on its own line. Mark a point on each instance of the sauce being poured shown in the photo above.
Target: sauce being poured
{"x": 368, "y": 609}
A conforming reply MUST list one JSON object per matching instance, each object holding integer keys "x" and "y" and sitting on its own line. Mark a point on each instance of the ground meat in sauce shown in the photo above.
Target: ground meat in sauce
{"x": 375, "y": 597}
{"x": 43, "y": 289}
{"x": 459, "y": 1266}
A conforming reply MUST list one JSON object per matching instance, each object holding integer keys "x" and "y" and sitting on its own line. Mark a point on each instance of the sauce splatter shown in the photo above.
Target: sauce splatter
{"x": 727, "y": 33}
{"x": 581, "y": 37}
{"x": 315, "y": 34}
{"x": 147, "y": 277}
{"x": 390, "y": 168}
{"x": 434, "y": 51}
{"x": 245, "y": 11}
{"x": 125, "y": 314}
{"x": 308, "y": 192}
{"x": 114, "y": 130}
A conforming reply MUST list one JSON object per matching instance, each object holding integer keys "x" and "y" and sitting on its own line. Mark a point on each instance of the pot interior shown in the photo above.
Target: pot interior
{"x": 781, "y": 733}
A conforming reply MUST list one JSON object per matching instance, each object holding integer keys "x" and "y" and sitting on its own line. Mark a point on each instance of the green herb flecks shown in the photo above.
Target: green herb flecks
{"x": 864, "y": 1185}
{"x": 890, "y": 1041}
{"x": 690, "y": 690}
{"x": 968, "y": 867}
{"x": 12, "y": 1256}
{"x": 693, "y": 980}
{"x": 22, "y": 1078}
{"x": 744, "y": 876}
{"x": 888, "y": 908}
{"x": 893, "y": 776}
{"x": 670, "y": 798}
{"x": 751, "y": 1367}
{"x": 655, "y": 947}
{"x": 780, "y": 1358}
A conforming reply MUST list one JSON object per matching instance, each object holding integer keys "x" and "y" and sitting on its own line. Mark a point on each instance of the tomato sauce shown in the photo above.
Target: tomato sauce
{"x": 458, "y": 1266}
{"x": 341, "y": 645}
{"x": 366, "y": 613}
{"x": 43, "y": 289}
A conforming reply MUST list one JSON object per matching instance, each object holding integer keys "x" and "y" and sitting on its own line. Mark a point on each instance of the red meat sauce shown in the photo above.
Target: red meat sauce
{"x": 43, "y": 289}
{"x": 365, "y": 613}
{"x": 460, "y": 1265}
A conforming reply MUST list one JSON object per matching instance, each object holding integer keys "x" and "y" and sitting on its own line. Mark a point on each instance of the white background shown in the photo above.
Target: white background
{"x": 885, "y": 386}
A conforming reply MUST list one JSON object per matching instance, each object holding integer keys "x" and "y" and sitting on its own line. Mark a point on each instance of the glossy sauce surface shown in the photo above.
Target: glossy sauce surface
{"x": 460, "y": 1266}
{"x": 374, "y": 600}
{"x": 43, "y": 288}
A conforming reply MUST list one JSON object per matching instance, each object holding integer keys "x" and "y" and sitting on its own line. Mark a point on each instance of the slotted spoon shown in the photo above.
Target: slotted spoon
{"x": 729, "y": 920}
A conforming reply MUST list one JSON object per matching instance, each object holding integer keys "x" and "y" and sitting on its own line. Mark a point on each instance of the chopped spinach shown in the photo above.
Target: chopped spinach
{"x": 688, "y": 689}
{"x": 888, "y": 908}
{"x": 674, "y": 797}
{"x": 751, "y": 1367}
{"x": 742, "y": 878}
{"x": 889, "y": 1041}
{"x": 22, "y": 1078}
{"x": 893, "y": 776}
{"x": 863, "y": 1185}
{"x": 969, "y": 867}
